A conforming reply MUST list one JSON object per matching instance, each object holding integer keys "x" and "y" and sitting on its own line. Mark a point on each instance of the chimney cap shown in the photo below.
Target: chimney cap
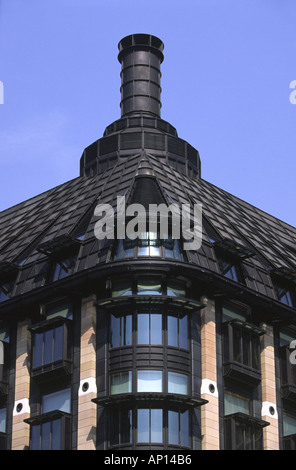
{"x": 140, "y": 41}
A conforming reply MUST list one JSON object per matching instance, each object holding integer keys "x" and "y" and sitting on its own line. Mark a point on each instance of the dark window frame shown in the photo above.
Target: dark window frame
{"x": 249, "y": 424}
{"x": 64, "y": 363}
{"x": 249, "y": 345}
{"x": 66, "y": 425}
{"x": 165, "y": 314}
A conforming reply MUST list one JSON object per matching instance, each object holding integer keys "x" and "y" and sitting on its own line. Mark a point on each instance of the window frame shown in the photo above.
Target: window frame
{"x": 65, "y": 362}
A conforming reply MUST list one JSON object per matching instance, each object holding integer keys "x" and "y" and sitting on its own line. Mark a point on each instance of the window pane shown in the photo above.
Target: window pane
{"x": 143, "y": 425}
{"x": 121, "y": 383}
{"x": 143, "y": 328}
{"x": 115, "y": 332}
{"x": 121, "y": 289}
{"x": 58, "y": 343}
{"x": 156, "y": 426}
{"x": 256, "y": 353}
{"x": 176, "y": 289}
{"x": 128, "y": 330}
{"x": 3, "y": 420}
{"x": 35, "y": 437}
{"x": 177, "y": 383}
{"x": 154, "y": 251}
{"x": 120, "y": 251}
{"x": 143, "y": 251}
{"x": 126, "y": 426}
{"x": 114, "y": 427}
{"x": 56, "y": 434}
{"x": 48, "y": 347}
{"x": 235, "y": 404}
{"x": 57, "y": 401}
{"x": 173, "y": 425}
{"x": 183, "y": 333}
{"x": 149, "y": 381}
{"x": 239, "y": 435}
{"x": 231, "y": 313}
{"x": 45, "y": 437}
{"x": 156, "y": 328}
{"x": 64, "y": 311}
{"x": 237, "y": 347}
{"x": 149, "y": 287}
{"x": 172, "y": 331}
{"x": 246, "y": 349}
{"x": 289, "y": 423}
{"x": 184, "y": 428}
{"x": 38, "y": 347}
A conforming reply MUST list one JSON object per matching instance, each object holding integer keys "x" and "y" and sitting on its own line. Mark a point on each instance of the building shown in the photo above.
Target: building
{"x": 140, "y": 344}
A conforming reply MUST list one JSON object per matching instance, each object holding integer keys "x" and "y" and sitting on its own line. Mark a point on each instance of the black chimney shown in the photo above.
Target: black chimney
{"x": 140, "y": 56}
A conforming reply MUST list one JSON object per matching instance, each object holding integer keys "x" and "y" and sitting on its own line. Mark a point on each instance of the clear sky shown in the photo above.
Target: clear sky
{"x": 225, "y": 79}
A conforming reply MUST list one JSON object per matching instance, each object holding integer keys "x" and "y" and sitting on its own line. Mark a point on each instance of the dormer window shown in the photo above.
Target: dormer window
{"x": 284, "y": 285}
{"x": 229, "y": 258}
{"x": 6, "y": 289}
{"x": 63, "y": 253}
{"x": 228, "y": 269}
{"x": 285, "y": 295}
{"x": 64, "y": 267}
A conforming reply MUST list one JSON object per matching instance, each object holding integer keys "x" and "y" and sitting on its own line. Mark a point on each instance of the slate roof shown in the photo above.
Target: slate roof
{"x": 68, "y": 209}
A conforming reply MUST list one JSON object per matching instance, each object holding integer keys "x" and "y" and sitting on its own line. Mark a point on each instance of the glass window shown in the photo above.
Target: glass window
{"x": 235, "y": 404}
{"x": 172, "y": 249}
{"x": 3, "y": 420}
{"x": 149, "y": 381}
{"x": 178, "y": 428}
{"x": 149, "y": 328}
{"x": 150, "y": 425}
{"x": 47, "y": 436}
{"x": 121, "y": 288}
{"x": 177, "y": 331}
{"x": 6, "y": 290}
{"x": 289, "y": 424}
{"x": 121, "y": 331}
{"x": 284, "y": 295}
{"x": 125, "y": 249}
{"x": 230, "y": 312}
{"x": 149, "y": 287}
{"x": 120, "y": 426}
{"x": 48, "y": 346}
{"x": 176, "y": 289}
{"x": 228, "y": 269}
{"x": 121, "y": 383}
{"x": 64, "y": 311}
{"x": 60, "y": 400}
{"x": 178, "y": 383}
{"x": 64, "y": 268}
{"x": 149, "y": 244}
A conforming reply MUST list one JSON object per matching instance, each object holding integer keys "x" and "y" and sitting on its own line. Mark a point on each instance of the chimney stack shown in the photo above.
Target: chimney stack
{"x": 140, "y": 56}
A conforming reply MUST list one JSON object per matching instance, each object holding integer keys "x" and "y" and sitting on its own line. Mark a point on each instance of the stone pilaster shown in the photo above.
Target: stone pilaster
{"x": 268, "y": 383}
{"x": 209, "y": 390}
{"x": 87, "y": 410}
{"x": 21, "y": 410}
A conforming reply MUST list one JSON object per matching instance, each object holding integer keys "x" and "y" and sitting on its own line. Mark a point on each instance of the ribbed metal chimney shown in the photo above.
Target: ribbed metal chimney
{"x": 140, "y": 56}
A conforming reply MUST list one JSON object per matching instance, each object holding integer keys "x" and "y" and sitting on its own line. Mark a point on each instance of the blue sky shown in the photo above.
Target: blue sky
{"x": 225, "y": 79}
